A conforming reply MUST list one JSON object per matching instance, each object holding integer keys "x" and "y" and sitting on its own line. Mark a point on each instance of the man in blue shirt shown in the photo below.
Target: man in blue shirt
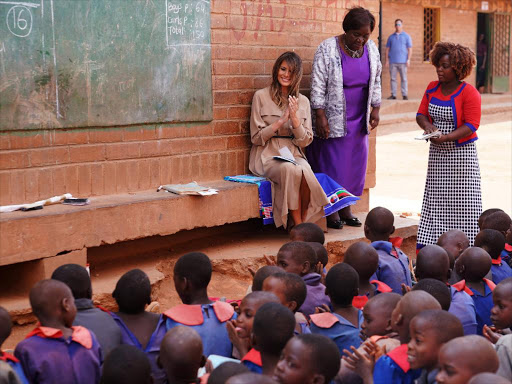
{"x": 399, "y": 52}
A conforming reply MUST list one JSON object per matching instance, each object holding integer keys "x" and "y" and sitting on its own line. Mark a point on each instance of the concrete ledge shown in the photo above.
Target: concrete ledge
{"x": 33, "y": 235}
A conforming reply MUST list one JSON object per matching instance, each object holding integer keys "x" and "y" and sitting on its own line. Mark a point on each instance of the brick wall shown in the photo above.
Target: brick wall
{"x": 247, "y": 36}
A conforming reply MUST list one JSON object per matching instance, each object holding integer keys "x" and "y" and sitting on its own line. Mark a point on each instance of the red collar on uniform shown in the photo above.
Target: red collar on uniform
{"x": 508, "y": 247}
{"x": 399, "y": 356}
{"x": 324, "y": 320}
{"x": 381, "y": 287}
{"x": 4, "y": 356}
{"x": 396, "y": 241}
{"x": 193, "y": 315}
{"x": 80, "y": 334}
{"x": 360, "y": 301}
{"x": 254, "y": 357}
{"x": 497, "y": 261}
{"x": 461, "y": 286}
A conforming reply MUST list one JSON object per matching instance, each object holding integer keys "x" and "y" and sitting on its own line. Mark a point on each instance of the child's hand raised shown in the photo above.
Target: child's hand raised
{"x": 322, "y": 309}
{"x": 492, "y": 334}
{"x": 360, "y": 363}
{"x": 405, "y": 289}
{"x": 242, "y": 344}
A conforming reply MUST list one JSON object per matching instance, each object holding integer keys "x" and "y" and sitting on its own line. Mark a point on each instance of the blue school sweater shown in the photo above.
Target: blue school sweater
{"x": 48, "y": 358}
{"x": 209, "y": 320}
{"x": 483, "y": 303}
{"x": 394, "y": 368}
{"x": 253, "y": 361}
{"x": 463, "y": 306}
{"x": 338, "y": 329}
{"x": 15, "y": 364}
{"x": 393, "y": 267}
{"x": 500, "y": 270}
{"x": 152, "y": 349}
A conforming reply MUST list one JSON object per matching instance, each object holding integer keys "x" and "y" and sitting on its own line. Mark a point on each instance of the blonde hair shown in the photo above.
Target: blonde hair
{"x": 295, "y": 63}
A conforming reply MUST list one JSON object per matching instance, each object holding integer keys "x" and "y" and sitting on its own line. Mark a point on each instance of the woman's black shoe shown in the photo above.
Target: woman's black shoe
{"x": 336, "y": 224}
{"x": 353, "y": 222}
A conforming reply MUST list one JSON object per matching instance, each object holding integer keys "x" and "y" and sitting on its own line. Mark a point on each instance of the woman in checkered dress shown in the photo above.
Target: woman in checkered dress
{"x": 452, "y": 198}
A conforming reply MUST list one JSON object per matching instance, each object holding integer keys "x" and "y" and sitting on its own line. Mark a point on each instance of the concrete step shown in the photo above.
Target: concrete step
{"x": 233, "y": 249}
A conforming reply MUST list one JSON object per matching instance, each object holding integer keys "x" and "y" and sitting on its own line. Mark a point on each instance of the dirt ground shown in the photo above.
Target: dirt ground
{"x": 402, "y": 165}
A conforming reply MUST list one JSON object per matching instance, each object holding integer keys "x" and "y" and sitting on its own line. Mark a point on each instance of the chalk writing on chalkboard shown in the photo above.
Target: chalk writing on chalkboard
{"x": 101, "y": 63}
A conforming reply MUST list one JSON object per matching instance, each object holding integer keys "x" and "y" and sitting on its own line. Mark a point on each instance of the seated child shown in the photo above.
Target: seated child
{"x": 432, "y": 262}
{"x": 240, "y": 330}
{"x": 472, "y": 266}
{"x": 501, "y": 317}
{"x": 56, "y": 351}
{"x": 463, "y": 357}
{"x": 261, "y": 275}
{"x": 365, "y": 260}
{"x": 181, "y": 355}
{"x": 299, "y": 258}
{"x": 485, "y": 214}
{"x": 126, "y": 364}
{"x": 493, "y": 242}
{"x": 308, "y": 359}
{"x": 393, "y": 267}
{"x": 250, "y": 378}
{"x": 272, "y": 328}
{"x": 226, "y": 370}
{"x": 501, "y": 222}
{"x": 307, "y": 232}
{"x": 454, "y": 243}
{"x": 377, "y": 316}
{"x": 487, "y": 377}
{"x": 192, "y": 274}
{"x": 142, "y": 329}
{"x": 100, "y": 322}
{"x": 344, "y": 323}
{"x": 430, "y": 330}
{"x": 439, "y": 290}
{"x": 394, "y": 367}
{"x": 291, "y": 292}
{"x": 13, "y": 362}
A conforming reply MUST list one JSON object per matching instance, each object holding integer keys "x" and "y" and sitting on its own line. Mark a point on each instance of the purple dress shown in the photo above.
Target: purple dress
{"x": 344, "y": 159}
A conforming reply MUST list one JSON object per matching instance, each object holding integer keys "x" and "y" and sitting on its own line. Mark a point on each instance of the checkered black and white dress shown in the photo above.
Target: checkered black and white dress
{"x": 452, "y": 198}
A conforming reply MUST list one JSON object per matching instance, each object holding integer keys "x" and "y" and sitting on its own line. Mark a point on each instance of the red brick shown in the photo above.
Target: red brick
{"x": 166, "y": 171}
{"x": 218, "y": 21}
{"x": 207, "y": 166}
{"x": 170, "y": 131}
{"x": 133, "y": 175}
{"x": 17, "y": 187}
{"x": 186, "y": 169}
{"x": 14, "y": 159}
{"x": 177, "y": 169}
{"x": 220, "y": 113}
{"x": 212, "y": 144}
{"x": 31, "y": 185}
{"x": 122, "y": 151}
{"x": 132, "y": 134}
{"x": 5, "y": 141}
{"x": 86, "y": 153}
{"x": 220, "y": 36}
{"x": 185, "y": 145}
{"x": 72, "y": 179}
{"x": 59, "y": 180}
{"x": 109, "y": 178}
{"x": 84, "y": 181}
{"x": 245, "y": 127}
{"x": 241, "y": 82}
{"x": 220, "y": 6}
{"x": 226, "y": 127}
{"x": 97, "y": 179}
{"x": 5, "y": 188}
{"x": 194, "y": 167}
{"x": 239, "y": 141}
{"x": 199, "y": 130}
{"x": 28, "y": 140}
{"x": 49, "y": 156}
{"x": 239, "y": 112}
{"x": 151, "y": 148}
{"x": 45, "y": 183}
{"x": 144, "y": 175}
{"x": 109, "y": 135}
{"x": 148, "y": 132}
{"x": 221, "y": 68}
{"x": 63, "y": 137}
{"x": 154, "y": 168}
{"x": 122, "y": 177}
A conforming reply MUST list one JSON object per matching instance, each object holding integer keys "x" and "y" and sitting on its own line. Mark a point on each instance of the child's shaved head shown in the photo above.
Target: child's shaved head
{"x": 126, "y": 364}
{"x": 487, "y": 378}
{"x": 181, "y": 354}
{"x": 485, "y": 214}
{"x": 226, "y": 370}
{"x": 499, "y": 221}
{"x": 321, "y": 253}
{"x": 445, "y": 325}
{"x": 296, "y": 257}
{"x": 463, "y": 357}
{"x": 432, "y": 262}
{"x": 379, "y": 223}
{"x": 454, "y": 242}
{"x": 492, "y": 241}
{"x": 436, "y": 288}
{"x": 377, "y": 314}
{"x": 5, "y": 325}
{"x": 308, "y": 232}
{"x": 250, "y": 378}
{"x": 52, "y": 299}
{"x": 363, "y": 258}
{"x": 473, "y": 264}
{"x": 262, "y": 274}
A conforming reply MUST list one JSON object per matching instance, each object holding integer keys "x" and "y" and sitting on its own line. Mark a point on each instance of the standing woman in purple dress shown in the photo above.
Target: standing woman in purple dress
{"x": 345, "y": 98}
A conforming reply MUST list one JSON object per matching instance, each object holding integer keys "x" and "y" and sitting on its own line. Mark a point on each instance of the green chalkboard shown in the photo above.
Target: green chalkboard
{"x": 82, "y": 63}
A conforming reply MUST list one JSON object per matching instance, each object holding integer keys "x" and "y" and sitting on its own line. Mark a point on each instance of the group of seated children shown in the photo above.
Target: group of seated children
{"x": 373, "y": 318}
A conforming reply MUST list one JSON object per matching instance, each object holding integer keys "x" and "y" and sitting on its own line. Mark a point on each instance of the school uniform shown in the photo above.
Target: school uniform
{"x": 316, "y": 294}
{"x": 394, "y": 368}
{"x": 15, "y": 365}
{"x": 253, "y": 361}
{"x": 427, "y": 377}
{"x": 504, "y": 351}
{"x": 46, "y": 357}
{"x": 209, "y": 320}
{"x": 100, "y": 322}
{"x": 393, "y": 267}
{"x": 360, "y": 301}
{"x": 500, "y": 270}
{"x": 463, "y": 306}
{"x": 483, "y": 303}
{"x": 338, "y": 329}
{"x": 506, "y": 254}
{"x": 152, "y": 349}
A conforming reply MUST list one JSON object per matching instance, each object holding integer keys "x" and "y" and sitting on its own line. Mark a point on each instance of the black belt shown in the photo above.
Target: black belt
{"x": 283, "y": 137}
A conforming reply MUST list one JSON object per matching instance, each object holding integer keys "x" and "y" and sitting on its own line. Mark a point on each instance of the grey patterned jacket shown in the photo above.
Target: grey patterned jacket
{"x": 327, "y": 85}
